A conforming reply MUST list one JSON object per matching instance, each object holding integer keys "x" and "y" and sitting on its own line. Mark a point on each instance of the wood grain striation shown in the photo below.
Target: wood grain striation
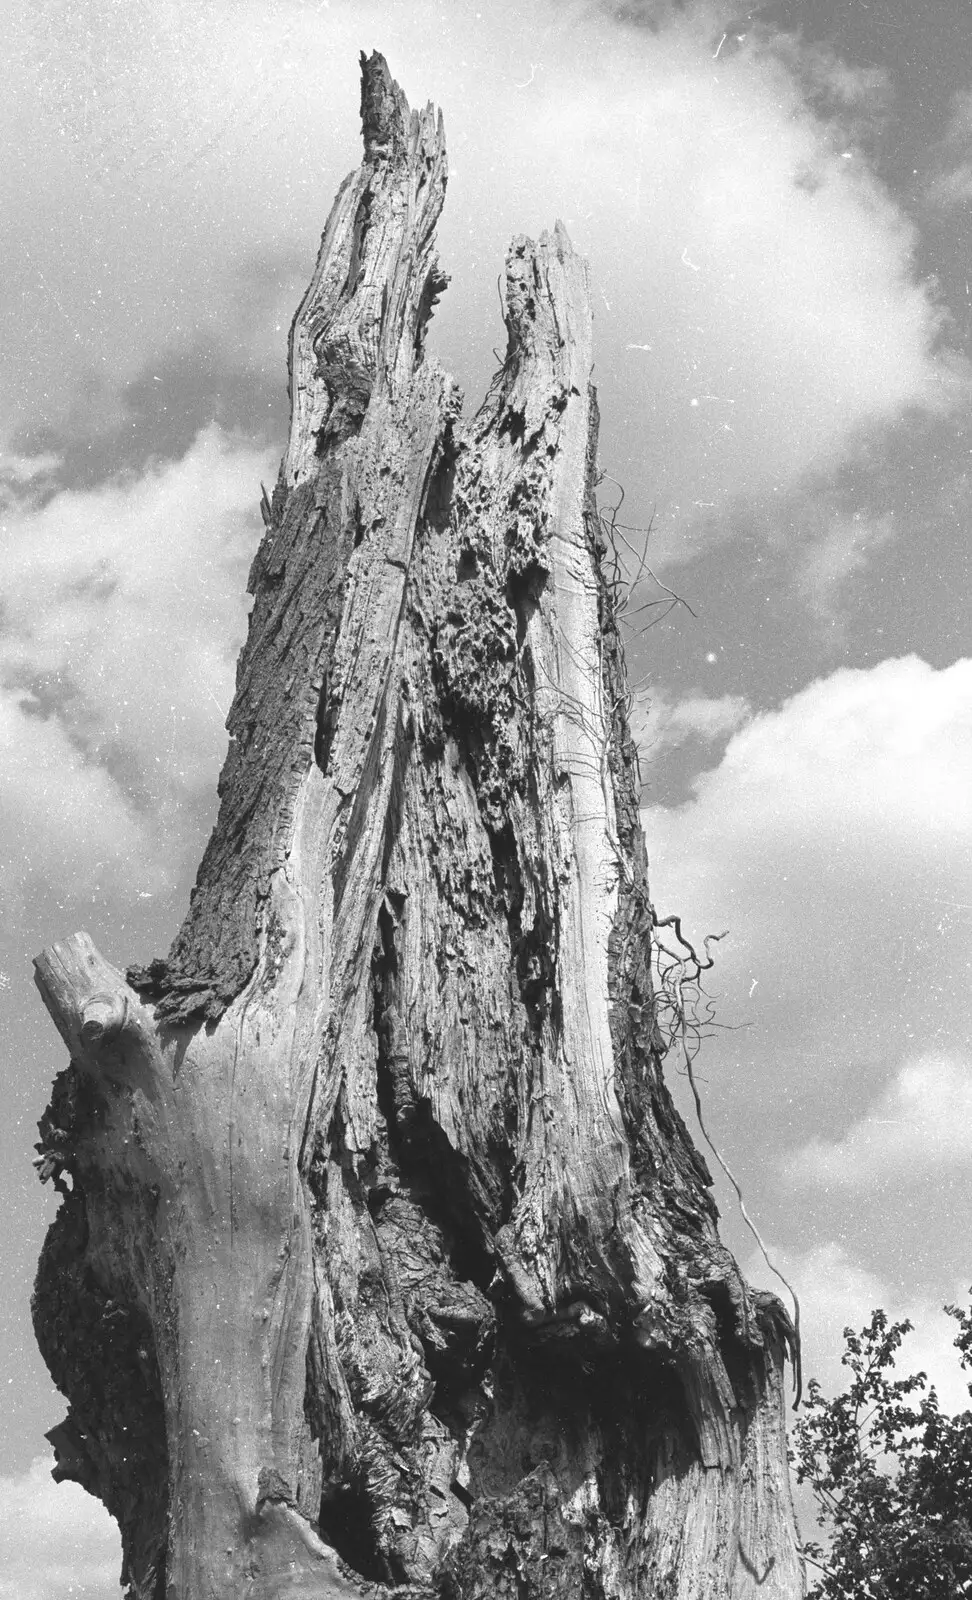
{"x": 383, "y": 1257}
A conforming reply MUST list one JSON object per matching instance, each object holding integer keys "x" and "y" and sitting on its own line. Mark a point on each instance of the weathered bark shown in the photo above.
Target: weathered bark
{"x": 386, "y": 1256}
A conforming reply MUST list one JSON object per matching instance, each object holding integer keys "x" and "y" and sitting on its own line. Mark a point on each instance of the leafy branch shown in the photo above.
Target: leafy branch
{"x": 892, "y": 1478}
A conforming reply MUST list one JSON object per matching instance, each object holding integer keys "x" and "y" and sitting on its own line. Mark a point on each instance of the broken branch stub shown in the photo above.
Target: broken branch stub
{"x": 402, "y": 1262}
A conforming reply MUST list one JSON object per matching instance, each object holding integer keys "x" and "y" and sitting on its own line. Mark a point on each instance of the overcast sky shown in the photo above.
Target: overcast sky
{"x": 775, "y": 206}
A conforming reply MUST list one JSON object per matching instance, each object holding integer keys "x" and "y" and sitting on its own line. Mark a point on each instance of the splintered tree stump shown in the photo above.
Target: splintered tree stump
{"x": 383, "y": 1256}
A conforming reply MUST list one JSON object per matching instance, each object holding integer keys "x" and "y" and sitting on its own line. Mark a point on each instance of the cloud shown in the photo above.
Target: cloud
{"x": 19, "y": 473}
{"x": 844, "y": 549}
{"x": 56, "y": 1541}
{"x": 176, "y": 146}
{"x": 845, "y": 85}
{"x": 920, "y": 1124}
{"x": 856, "y": 762}
{"x": 659, "y": 724}
{"x": 952, "y": 183}
{"x": 123, "y": 610}
{"x": 838, "y": 1291}
{"x": 834, "y": 840}
{"x": 960, "y": 118}
{"x": 952, "y": 187}
{"x": 63, "y": 820}
{"x": 854, "y": 100}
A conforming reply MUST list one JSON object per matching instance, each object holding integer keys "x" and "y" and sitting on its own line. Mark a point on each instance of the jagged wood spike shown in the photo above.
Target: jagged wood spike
{"x": 377, "y": 1209}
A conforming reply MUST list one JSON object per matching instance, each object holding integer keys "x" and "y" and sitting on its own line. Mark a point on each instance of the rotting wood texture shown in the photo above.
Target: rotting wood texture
{"x": 383, "y": 1256}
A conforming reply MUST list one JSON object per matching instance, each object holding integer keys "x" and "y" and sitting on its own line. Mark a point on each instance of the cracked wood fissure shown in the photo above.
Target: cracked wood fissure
{"x": 384, "y": 1257}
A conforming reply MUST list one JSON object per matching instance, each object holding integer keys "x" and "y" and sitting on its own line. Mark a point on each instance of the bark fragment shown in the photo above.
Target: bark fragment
{"x": 411, "y": 1251}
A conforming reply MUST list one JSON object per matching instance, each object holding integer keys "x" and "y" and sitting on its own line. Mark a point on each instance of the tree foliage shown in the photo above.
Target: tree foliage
{"x": 892, "y": 1476}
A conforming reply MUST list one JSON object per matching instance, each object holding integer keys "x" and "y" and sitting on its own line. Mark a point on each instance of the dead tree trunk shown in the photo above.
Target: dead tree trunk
{"x": 383, "y": 1255}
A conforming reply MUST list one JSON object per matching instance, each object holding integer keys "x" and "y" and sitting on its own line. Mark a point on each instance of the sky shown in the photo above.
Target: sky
{"x": 775, "y": 207}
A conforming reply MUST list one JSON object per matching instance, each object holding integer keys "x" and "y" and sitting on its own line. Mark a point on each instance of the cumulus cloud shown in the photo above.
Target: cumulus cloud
{"x": 62, "y": 819}
{"x": 864, "y": 757}
{"x": 756, "y": 293}
{"x": 919, "y": 1125}
{"x": 834, "y": 840}
{"x": 56, "y": 1541}
{"x": 837, "y": 1291}
{"x": 123, "y": 610}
